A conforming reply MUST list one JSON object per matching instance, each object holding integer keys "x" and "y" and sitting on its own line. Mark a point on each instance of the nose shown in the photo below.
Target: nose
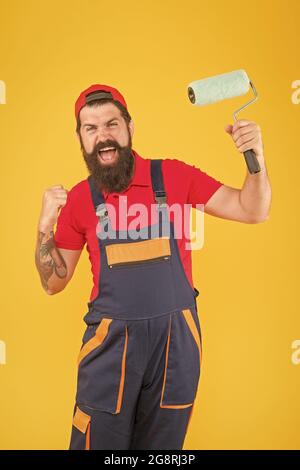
{"x": 103, "y": 135}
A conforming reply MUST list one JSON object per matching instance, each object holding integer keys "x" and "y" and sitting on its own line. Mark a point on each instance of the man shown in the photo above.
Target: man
{"x": 140, "y": 360}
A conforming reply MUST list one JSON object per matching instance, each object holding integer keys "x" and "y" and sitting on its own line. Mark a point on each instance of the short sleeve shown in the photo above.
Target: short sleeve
{"x": 67, "y": 234}
{"x": 201, "y": 186}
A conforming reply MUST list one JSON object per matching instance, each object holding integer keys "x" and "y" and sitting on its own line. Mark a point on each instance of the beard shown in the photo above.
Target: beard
{"x": 116, "y": 176}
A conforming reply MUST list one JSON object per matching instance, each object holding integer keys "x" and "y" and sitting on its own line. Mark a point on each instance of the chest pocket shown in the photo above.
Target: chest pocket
{"x": 138, "y": 253}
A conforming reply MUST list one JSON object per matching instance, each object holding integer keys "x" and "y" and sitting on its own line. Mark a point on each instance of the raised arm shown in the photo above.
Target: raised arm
{"x": 251, "y": 203}
{"x": 55, "y": 265}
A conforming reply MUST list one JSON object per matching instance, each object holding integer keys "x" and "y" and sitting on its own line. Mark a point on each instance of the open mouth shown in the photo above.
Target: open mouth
{"x": 107, "y": 155}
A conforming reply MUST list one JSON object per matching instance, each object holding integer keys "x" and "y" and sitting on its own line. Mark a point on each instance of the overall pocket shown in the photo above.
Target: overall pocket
{"x": 182, "y": 360}
{"x": 102, "y": 367}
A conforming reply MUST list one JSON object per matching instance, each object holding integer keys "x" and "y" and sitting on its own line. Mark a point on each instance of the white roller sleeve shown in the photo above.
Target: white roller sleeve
{"x": 220, "y": 87}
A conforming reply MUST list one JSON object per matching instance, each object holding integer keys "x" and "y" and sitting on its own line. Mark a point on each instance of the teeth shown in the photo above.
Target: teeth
{"x": 108, "y": 148}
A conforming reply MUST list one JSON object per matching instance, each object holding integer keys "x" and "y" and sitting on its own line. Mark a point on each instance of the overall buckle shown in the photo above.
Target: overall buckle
{"x": 161, "y": 199}
{"x": 102, "y": 212}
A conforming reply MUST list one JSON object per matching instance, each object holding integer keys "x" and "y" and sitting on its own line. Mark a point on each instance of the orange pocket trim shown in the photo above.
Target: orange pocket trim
{"x": 82, "y": 422}
{"x": 138, "y": 251}
{"x": 97, "y": 340}
{"x": 192, "y": 326}
{"x": 122, "y": 380}
{"x": 88, "y": 437}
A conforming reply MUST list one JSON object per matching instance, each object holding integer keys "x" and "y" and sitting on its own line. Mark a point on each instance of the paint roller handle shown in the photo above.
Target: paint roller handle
{"x": 252, "y": 162}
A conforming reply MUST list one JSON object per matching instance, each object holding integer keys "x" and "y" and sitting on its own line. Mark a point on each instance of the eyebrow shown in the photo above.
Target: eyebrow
{"x": 94, "y": 125}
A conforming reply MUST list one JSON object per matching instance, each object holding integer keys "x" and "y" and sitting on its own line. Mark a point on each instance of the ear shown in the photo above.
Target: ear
{"x": 131, "y": 128}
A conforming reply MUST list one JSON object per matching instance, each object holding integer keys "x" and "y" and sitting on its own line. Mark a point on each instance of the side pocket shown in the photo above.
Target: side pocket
{"x": 102, "y": 367}
{"x": 182, "y": 362}
{"x": 81, "y": 433}
{"x": 96, "y": 340}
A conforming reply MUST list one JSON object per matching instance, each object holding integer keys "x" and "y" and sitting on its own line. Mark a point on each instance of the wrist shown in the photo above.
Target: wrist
{"x": 45, "y": 226}
{"x": 261, "y": 161}
{"x": 261, "y": 158}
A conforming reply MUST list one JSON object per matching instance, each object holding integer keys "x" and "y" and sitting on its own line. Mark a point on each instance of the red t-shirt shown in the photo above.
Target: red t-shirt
{"x": 77, "y": 220}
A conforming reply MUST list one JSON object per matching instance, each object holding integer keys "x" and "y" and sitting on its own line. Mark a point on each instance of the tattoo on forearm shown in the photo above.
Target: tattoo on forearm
{"x": 48, "y": 258}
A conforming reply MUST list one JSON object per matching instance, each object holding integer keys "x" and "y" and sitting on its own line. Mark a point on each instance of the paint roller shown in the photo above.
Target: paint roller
{"x": 220, "y": 87}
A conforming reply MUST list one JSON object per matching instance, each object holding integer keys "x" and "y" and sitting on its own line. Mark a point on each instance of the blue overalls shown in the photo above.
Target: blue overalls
{"x": 139, "y": 364}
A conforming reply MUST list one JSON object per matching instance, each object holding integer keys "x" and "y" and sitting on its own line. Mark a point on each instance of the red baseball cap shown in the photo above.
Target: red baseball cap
{"x": 96, "y": 92}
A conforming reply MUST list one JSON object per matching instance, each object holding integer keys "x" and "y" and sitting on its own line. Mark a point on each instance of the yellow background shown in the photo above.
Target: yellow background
{"x": 247, "y": 274}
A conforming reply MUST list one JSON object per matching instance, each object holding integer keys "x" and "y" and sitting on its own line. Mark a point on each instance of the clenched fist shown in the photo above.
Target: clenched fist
{"x": 54, "y": 198}
{"x": 247, "y": 136}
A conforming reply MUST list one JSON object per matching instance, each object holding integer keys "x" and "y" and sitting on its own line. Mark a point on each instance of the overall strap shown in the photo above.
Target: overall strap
{"x": 96, "y": 195}
{"x": 98, "y": 200}
{"x": 163, "y": 228}
{"x": 158, "y": 183}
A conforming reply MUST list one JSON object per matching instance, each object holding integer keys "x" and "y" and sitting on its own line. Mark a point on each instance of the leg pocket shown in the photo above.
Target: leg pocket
{"x": 81, "y": 431}
{"x": 102, "y": 367}
{"x": 182, "y": 360}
